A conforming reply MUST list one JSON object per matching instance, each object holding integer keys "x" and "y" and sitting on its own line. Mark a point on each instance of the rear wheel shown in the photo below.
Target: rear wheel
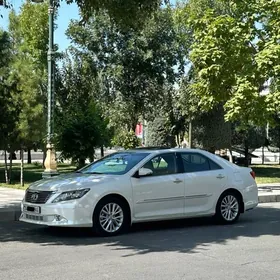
{"x": 110, "y": 217}
{"x": 228, "y": 208}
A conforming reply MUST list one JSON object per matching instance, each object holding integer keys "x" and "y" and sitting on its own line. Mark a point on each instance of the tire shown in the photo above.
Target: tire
{"x": 228, "y": 208}
{"x": 105, "y": 222}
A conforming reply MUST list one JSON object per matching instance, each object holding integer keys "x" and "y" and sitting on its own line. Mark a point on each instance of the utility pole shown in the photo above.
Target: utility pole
{"x": 50, "y": 161}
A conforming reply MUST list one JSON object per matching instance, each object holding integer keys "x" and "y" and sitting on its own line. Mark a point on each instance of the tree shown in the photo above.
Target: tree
{"x": 249, "y": 139}
{"x": 133, "y": 66}
{"x": 81, "y": 125}
{"x": 9, "y": 107}
{"x": 211, "y": 132}
{"x": 126, "y": 139}
{"x": 159, "y": 132}
{"x": 274, "y": 135}
{"x": 124, "y": 12}
{"x": 29, "y": 31}
{"x": 234, "y": 57}
{"x": 80, "y": 132}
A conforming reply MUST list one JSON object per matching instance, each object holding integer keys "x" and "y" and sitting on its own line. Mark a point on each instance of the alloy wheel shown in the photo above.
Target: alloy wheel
{"x": 229, "y": 208}
{"x": 111, "y": 217}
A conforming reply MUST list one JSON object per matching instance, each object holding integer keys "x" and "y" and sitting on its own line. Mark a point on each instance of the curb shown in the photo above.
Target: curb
{"x": 269, "y": 198}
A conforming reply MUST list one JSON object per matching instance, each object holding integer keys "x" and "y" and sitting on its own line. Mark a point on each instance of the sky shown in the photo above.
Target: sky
{"x": 66, "y": 13}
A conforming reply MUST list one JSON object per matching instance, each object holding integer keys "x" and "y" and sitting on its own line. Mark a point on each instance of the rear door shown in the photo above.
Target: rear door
{"x": 204, "y": 181}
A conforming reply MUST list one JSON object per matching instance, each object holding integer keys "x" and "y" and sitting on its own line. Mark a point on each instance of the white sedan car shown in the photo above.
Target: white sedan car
{"x": 142, "y": 185}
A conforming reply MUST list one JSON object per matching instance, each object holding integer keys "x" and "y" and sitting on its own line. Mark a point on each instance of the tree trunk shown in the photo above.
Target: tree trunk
{"x": 190, "y": 134}
{"x": 6, "y": 168}
{"x": 44, "y": 157}
{"x": 246, "y": 154}
{"x": 178, "y": 140}
{"x": 102, "y": 151}
{"x": 11, "y": 166}
{"x": 29, "y": 160}
{"x": 230, "y": 155}
{"x": 21, "y": 168}
{"x": 81, "y": 162}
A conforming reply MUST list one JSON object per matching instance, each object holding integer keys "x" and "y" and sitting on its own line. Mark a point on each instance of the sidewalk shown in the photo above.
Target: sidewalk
{"x": 10, "y": 204}
{"x": 10, "y": 200}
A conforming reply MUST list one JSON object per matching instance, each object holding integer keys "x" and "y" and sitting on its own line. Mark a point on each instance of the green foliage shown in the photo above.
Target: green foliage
{"x": 126, "y": 13}
{"x": 159, "y": 133}
{"x": 235, "y": 51}
{"x": 211, "y": 132}
{"x": 29, "y": 32}
{"x": 33, "y": 25}
{"x": 252, "y": 137}
{"x": 133, "y": 66}
{"x": 9, "y": 109}
{"x": 274, "y": 134}
{"x": 79, "y": 132}
{"x": 126, "y": 139}
{"x": 80, "y": 123}
{"x": 187, "y": 100}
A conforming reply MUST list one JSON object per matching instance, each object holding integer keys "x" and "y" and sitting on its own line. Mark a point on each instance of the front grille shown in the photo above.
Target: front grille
{"x": 38, "y": 197}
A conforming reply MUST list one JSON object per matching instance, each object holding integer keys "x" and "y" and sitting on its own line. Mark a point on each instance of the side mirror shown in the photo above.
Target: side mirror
{"x": 145, "y": 172}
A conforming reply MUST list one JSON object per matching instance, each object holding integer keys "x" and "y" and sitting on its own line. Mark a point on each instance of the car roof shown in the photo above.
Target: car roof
{"x": 156, "y": 150}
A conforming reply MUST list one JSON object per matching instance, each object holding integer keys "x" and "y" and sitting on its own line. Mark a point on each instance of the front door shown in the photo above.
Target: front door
{"x": 160, "y": 195}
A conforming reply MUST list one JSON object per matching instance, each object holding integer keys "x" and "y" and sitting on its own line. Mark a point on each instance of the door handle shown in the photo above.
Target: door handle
{"x": 220, "y": 176}
{"x": 177, "y": 181}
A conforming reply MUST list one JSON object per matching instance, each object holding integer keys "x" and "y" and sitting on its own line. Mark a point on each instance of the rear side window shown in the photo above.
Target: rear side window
{"x": 193, "y": 162}
{"x": 214, "y": 165}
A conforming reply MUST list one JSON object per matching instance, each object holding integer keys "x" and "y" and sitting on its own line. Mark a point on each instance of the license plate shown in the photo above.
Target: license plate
{"x": 33, "y": 209}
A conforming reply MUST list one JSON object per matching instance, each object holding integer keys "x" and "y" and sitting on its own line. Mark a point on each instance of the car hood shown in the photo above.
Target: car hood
{"x": 71, "y": 181}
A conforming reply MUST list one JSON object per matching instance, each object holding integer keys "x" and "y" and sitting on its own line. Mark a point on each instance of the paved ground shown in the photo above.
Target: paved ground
{"x": 190, "y": 249}
{"x": 10, "y": 203}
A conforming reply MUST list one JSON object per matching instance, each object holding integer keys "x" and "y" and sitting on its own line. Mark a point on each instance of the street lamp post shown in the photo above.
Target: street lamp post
{"x": 50, "y": 161}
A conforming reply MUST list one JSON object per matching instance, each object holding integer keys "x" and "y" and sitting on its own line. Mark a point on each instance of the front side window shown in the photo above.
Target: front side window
{"x": 116, "y": 164}
{"x": 162, "y": 164}
{"x": 196, "y": 163}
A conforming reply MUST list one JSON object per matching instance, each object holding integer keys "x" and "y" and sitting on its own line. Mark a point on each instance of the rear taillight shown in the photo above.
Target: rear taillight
{"x": 253, "y": 174}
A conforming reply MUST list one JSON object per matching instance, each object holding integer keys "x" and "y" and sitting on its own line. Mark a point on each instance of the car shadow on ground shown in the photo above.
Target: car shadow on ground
{"x": 185, "y": 236}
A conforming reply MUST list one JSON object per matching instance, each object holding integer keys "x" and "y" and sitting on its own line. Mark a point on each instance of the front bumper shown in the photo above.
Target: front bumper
{"x": 75, "y": 213}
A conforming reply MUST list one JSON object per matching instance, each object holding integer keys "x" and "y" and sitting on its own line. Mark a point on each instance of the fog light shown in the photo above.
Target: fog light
{"x": 59, "y": 218}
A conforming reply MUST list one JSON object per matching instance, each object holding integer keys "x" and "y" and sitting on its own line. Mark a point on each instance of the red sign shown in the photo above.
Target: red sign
{"x": 139, "y": 130}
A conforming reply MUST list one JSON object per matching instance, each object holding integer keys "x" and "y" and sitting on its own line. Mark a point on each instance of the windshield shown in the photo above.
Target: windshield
{"x": 117, "y": 163}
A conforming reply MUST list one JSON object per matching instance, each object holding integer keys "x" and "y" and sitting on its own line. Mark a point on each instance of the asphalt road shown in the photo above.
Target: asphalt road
{"x": 189, "y": 249}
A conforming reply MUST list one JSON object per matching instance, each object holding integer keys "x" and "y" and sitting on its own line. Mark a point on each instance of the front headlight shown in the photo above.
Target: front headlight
{"x": 70, "y": 195}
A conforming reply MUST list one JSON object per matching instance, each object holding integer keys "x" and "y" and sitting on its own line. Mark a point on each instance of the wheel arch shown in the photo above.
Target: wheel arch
{"x": 237, "y": 193}
{"x": 116, "y": 195}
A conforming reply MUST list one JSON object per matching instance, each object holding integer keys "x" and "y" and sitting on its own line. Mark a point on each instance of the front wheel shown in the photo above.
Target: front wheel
{"x": 110, "y": 217}
{"x": 228, "y": 208}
